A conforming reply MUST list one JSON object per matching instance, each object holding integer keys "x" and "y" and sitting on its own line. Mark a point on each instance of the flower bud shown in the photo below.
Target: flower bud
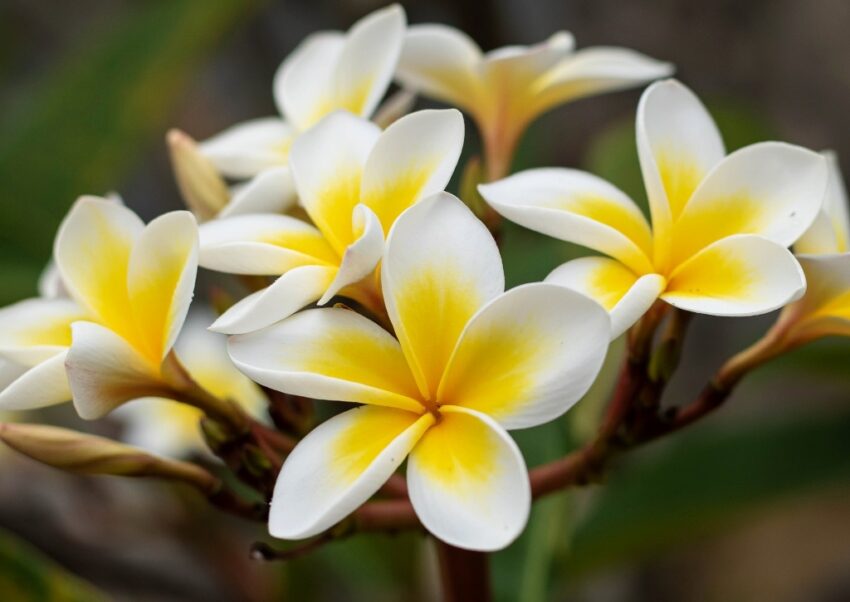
{"x": 202, "y": 187}
{"x": 88, "y": 454}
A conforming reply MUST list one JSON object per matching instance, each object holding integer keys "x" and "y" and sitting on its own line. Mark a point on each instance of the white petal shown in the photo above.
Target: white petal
{"x": 333, "y": 354}
{"x": 771, "y": 189}
{"x": 626, "y": 295}
{"x": 441, "y": 62}
{"x": 163, "y": 427}
{"x": 304, "y": 82}
{"x": 414, "y": 158}
{"x": 294, "y": 290}
{"x": 468, "y": 482}
{"x": 44, "y": 384}
{"x": 528, "y": 356}
{"x": 271, "y": 191}
{"x": 440, "y": 267}
{"x": 161, "y": 280}
{"x": 830, "y": 232}
{"x": 104, "y": 371}
{"x": 340, "y": 465}
{"x": 34, "y": 330}
{"x": 327, "y": 164}
{"x": 595, "y": 70}
{"x": 741, "y": 275}
{"x": 678, "y": 143}
{"x": 50, "y": 285}
{"x": 361, "y": 257}
{"x": 577, "y": 207}
{"x": 248, "y": 148}
{"x": 368, "y": 60}
{"x": 262, "y": 244}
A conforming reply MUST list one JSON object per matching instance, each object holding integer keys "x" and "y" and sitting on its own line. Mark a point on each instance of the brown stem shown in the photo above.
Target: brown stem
{"x": 263, "y": 551}
{"x": 465, "y": 575}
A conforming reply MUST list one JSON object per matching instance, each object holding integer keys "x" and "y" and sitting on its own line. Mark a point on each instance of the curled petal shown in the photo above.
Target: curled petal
{"x": 364, "y": 254}
{"x": 42, "y": 385}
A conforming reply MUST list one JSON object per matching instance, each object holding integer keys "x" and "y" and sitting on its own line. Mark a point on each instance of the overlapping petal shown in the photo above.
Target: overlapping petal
{"x": 825, "y": 308}
{"x": 362, "y": 256}
{"x": 740, "y": 275}
{"x": 578, "y": 207}
{"x": 34, "y": 330}
{"x": 626, "y": 295}
{"x": 432, "y": 290}
{"x": 41, "y": 385}
{"x": 332, "y": 354}
{"x": 468, "y": 482}
{"x": 248, "y": 148}
{"x": 830, "y": 232}
{"x": 271, "y": 191}
{"x": 527, "y": 356}
{"x": 340, "y": 465}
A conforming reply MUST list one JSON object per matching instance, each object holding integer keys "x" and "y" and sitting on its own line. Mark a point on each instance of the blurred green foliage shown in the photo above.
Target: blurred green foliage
{"x": 85, "y": 123}
{"x": 26, "y": 575}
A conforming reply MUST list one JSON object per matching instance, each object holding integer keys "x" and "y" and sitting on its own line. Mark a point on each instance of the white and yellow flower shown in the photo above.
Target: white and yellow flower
{"x": 720, "y": 224}
{"x": 825, "y": 257}
{"x": 469, "y": 361}
{"x": 506, "y": 89}
{"x": 328, "y": 71}
{"x": 135, "y": 283}
{"x": 171, "y": 429}
{"x": 353, "y": 181}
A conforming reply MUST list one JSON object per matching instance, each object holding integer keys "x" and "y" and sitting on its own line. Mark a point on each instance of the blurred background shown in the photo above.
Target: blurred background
{"x": 751, "y": 505}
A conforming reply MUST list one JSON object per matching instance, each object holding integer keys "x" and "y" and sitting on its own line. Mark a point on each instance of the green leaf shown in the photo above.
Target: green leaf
{"x": 27, "y": 575}
{"x": 705, "y": 480}
{"x": 86, "y": 123}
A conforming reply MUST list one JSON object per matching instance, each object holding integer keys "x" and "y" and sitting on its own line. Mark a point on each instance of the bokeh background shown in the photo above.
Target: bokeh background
{"x": 751, "y": 505}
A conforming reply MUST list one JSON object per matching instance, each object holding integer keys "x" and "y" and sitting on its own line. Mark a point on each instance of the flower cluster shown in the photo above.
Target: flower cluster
{"x": 370, "y": 284}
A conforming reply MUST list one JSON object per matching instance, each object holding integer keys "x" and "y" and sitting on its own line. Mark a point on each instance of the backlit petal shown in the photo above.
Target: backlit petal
{"x": 413, "y": 158}
{"x": 528, "y": 355}
{"x": 468, "y": 482}
{"x": 441, "y": 62}
{"x": 771, "y": 189}
{"x": 340, "y": 465}
{"x": 271, "y": 191}
{"x": 294, "y": 290}
{"x": 92, "y": 251}
{"x": 362, "y": 256}
{"x": 42, "y": 385}
{"x": 740, "y": 275}
{"x": 104, "y": 371}
{"x": 441, "y": 266}
{"x": 623, "y": 293}
{"x": 327, "y": 164}
{"x": 262, "y": 244}
{"x": 333, "y": 354}
{"x": 161, "y": 280}
{"x": 825, "y": 308}
{"x": 35, "y": 329}
{"x": 830, "y": 232}
{"x": 246, "y": 149}
{"x": 595, "y": 70}
{"x": 577, "y": 207}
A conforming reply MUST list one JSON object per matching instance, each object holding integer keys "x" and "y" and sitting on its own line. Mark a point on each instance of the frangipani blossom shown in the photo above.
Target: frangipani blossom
{"x": 506, "y": 89}
{"x": 353, "y": 181}
{"x": 720, "y": 224}
{"x": 171, "y": 429}
{"x": 469, "y": 361}
{"x": 328, "y": 71}
{"x": 824, "y": 255}
{"x": 135, "y": 283}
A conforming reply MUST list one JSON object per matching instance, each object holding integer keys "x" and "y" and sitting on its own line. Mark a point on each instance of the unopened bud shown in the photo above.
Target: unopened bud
{"x": 89, "y": 454}
{"x": 203, "y": 189}
{"x": 394, "y": 108}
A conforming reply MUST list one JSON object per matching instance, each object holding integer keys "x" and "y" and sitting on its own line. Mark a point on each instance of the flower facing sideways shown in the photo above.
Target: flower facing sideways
{"x": 353, "y": 181}
{"x": 328, "y": 71}
{"x": 720, "y": 224}
{"x": 469, "y": 361}
{"x": 506, "y": 89}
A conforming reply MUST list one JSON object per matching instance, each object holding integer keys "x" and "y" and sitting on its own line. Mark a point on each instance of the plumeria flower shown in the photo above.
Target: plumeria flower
{"x": 469, "y": 361}
{"x": 327, "y": 72}
{"x": 825, "y": 257}
{"x": 353, "y": 181}
{"x": 171, "y": 429}
{"x": 506, "y": 89}
{"x": 135, "y": 284}
{"x": 208, "y": 196}
{"x": 720, "y": 224}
